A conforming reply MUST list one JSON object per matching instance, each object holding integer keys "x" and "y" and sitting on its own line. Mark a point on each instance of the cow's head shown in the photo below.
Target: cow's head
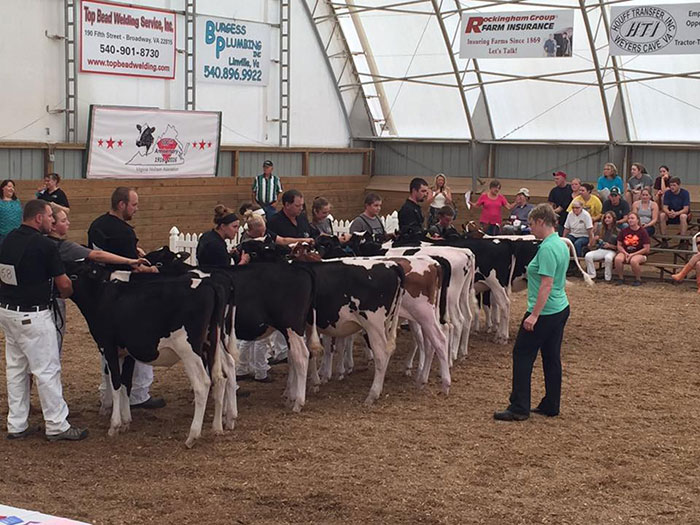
{"x": 169, "y": 262}
{"x": 263, "y": 250}
{"x": 366, "y": 244}
{"x": 410, "y": 236}
{"x": 145, "y": 136}
{"x": 329, "y": 247}
{"x": 473, "y": 231}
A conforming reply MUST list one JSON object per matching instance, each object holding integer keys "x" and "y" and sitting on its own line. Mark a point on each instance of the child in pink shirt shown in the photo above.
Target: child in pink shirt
{"x": 491, "y": 204}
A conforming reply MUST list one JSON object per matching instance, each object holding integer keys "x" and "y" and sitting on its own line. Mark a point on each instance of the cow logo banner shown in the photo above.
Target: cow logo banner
{"x": 152, "y": 143}
{"x": 518, "y": 34}
{"x": 118, "y": 39}
{"x": 232, "y": 52}
{"x": 670, "y": 29}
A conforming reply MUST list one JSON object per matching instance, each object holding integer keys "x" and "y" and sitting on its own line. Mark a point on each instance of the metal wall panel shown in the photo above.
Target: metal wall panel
{"x": 286, "y": 164}
{"x": 329, "y": 164}
{"x": 682, "y": 163}
{"x": 22, "y": 164}
{"x": 225, "y": 162}
{"x": 539, "y": 162}
{"x": 417, "y": 159}
{"x": 68, "y": 163}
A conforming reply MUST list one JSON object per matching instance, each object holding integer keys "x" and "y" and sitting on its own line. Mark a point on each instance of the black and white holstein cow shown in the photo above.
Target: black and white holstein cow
{"x": 425, "y": 285}
{"x": 160, "y": 321}
{"x": 357, "y": 294}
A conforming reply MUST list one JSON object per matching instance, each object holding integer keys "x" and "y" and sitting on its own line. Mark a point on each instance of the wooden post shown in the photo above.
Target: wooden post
{"x": 234, "y": 164}
{"x": 305, "y": 164}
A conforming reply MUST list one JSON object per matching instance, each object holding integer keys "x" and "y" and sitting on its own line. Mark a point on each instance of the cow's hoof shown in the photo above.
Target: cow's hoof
{"x": 315, "y": 389}
{"x": 124, "y": 428}
{"x": 296, "y": 408}
{"x": 190, "y": 442}
{"x": 446, "y": 389}
{"x": 219, "y": 431}
{"x": 408, "y": 372}
{"x": 113, "y": 431}
{"x": 369, "y": 401}
{"x": 230, "y": 426}
{"x": 340, "y": 377}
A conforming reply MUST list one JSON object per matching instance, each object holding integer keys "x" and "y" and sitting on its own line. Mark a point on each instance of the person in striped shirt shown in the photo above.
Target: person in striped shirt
{"x": 266, "y": 189}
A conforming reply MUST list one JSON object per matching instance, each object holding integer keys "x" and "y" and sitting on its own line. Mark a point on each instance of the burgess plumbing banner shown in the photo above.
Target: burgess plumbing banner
{"x": 520, "y": 34}
{"x": 144, "y": 143}
{"x": 117, "y": 39}
{"x": 232, "y": 52}
{"x": 668, "y": 29}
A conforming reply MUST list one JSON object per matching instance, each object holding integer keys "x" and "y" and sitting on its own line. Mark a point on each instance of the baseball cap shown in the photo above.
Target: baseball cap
{"x": 524, "y": 191}
{"x": 559, "y": 174}
{"x": 615, "y": 191}
{"x": 267, "y": 163}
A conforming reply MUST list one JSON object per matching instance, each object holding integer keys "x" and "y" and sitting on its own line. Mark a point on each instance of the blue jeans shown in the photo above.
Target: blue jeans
{"x": 579, "y": 243}
{"x": 269, "y": 211}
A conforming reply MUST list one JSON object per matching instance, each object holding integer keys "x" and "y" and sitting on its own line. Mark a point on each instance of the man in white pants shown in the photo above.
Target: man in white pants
{"x": 29, "y": 263}
{"x": 113, "y": 233}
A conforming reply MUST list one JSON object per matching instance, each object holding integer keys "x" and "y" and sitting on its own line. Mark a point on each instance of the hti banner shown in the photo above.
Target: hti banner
{"x": 667, "y": 29}
{"x": 517, "y": 34}
{"x": 151, "y": 143}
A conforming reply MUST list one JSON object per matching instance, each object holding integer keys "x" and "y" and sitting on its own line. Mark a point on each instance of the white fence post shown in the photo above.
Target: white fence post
{"x": 173, "y": 238}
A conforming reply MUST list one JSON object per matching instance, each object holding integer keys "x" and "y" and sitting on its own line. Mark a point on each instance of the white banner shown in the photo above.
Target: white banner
{"x": 517, "y": 34}
{"x": 152, "y": 143}
{"x": 668, "y": 29}
{"x": 121, "y": 40}
{"x": 232, "y": 52}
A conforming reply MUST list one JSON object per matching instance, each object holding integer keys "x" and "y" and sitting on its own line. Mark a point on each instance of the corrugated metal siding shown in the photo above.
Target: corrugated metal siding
{"x": 682, "y": 163}
{"x": 22, "y": 164}
{"x": 286, "y": 164}
{"x": 324, "y": 164}
{"x": 68, "y": 163}
{"x": 422, "y": 159}
{"x": 539, "y": 162}
{"x": 225, "y": 162}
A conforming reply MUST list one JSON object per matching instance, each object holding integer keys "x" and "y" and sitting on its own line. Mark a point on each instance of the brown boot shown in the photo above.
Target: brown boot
{"x": 678, "y": 277}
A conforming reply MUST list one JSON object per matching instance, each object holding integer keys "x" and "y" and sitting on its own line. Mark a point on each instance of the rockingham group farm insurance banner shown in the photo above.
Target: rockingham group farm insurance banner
{"x": 121, "y": 40}
{"x": 518, "y": 34}
{"x": 232, "y": 52}
{"x": 667, "y": 29}
{"x": 145, "y": 143}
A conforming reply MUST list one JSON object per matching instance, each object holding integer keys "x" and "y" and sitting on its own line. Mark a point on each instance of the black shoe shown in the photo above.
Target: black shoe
{"x": 242, "y": 393}
{"x": 663, "y": 244}
{"x": 619, "y": 282}
{"x": 272, "y": 361}
{"x": 72, "y": 434}
{"x": 150, "y": 403}
{"x": 25, "y": 433}
{"x": 636, "y": 283}
{"x": 266, "y": 379}
{"x": 507, "y": 415}
{"x": 541, "y": 412}
{"x": 244, "y": 377}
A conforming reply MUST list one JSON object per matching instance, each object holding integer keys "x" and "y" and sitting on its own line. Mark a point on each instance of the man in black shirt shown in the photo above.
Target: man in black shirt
{"x": 560, "y": 197}
{"x": 111, "y": 232}
{"x": 29, "y": 264}
{"x": 290, "y": 221}
{"x": 410, "y": 214}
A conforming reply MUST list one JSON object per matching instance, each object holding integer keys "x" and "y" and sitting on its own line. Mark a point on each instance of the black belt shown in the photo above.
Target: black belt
{"x": 19, "y": 308}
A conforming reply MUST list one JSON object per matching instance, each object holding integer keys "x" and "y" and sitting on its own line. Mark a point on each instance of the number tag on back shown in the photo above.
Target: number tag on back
{"x": 8, "y": 274}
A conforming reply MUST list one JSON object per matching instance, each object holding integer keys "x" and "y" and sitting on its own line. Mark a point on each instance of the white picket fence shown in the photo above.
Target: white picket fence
{"x": 187, "y": 242}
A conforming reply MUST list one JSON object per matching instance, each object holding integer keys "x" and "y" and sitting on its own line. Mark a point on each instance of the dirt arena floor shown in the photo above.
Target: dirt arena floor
{"x": 626, "y": 448}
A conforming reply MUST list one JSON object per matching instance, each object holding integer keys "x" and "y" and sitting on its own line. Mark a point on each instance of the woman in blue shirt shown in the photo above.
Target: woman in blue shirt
{"x": 543, "y": 325}
{"x": 609, "y": 180}
{"x": 10, "y": 208}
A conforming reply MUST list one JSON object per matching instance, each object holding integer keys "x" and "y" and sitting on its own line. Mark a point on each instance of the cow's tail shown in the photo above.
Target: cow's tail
{"x": 512, "y": 272}
{"x": 587, "y": 278}
{"x": 313, "y": 341}
{"x": 445, "y": 284}
{"x": 216, "y": 318}
{"x": 393, "y": 321}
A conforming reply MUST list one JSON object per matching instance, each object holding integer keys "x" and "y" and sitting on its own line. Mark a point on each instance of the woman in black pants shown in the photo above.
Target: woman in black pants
{"x": 543, "y": 325}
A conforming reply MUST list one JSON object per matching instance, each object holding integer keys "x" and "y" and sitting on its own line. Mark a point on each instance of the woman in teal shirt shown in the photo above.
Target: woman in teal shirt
{"x": 10, "y": 208}
{"x": 543, "y": 325}
{"x": 609, "y": 180}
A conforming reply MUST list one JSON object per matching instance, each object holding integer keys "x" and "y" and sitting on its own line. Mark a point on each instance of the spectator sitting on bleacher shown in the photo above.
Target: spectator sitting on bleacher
{"x": 519, "y": 213}
{"x": 639, "y": 180}
{"x": 693, "y": 263}
{"x": 579, "y": 227}
{"x": 605, "y": 247}
{"x": 632, "y": 246}
{"x": 443, "y": 228}
{"x": 608, "y": 180}
{"x": 616, "y": 204}
{"x": 648, "y": 211}
{"x": 590, "y": 202}
{"x": 676, "y": 209}
{"x": 575, "y": 187}
{"x": 661, "y": 184}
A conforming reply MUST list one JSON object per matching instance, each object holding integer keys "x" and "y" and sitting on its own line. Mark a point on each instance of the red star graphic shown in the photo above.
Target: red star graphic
{"x": 120, "y": 143}
{"x": 208, "y": 144}
{"x": 100, "y": 142}
{"x": 201, "y": 145}
{"x": 194, "y": 144}
{"x": 110, "y": 143}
